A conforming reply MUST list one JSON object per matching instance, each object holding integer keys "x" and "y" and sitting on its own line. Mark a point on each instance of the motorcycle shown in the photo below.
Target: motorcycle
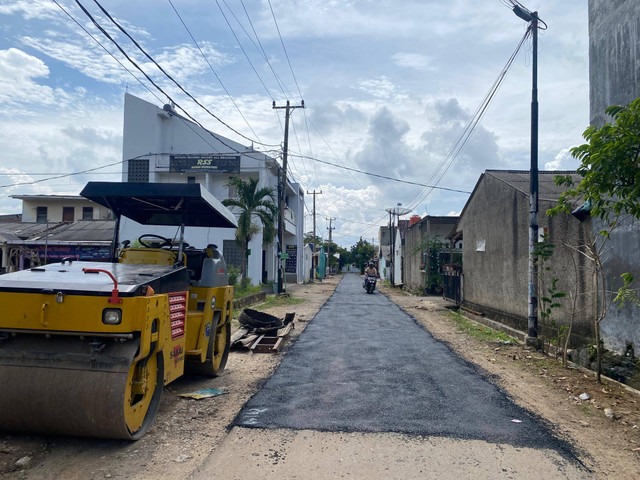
{"x": 370, "y": 283}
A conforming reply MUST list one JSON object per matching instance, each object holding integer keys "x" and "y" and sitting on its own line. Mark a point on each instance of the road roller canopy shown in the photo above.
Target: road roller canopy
{"x": 173, "y": 204}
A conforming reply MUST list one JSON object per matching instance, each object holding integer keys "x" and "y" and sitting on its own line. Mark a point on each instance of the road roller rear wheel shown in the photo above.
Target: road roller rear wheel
{"x": 217, "y": 350}
{"x": 142, "y": 394}
{"x": 220, "y": 348}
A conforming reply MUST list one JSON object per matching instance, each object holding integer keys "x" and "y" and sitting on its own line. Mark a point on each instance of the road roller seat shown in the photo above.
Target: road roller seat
{"x": 213, "y": 269}
{"x": 195, "y": 258}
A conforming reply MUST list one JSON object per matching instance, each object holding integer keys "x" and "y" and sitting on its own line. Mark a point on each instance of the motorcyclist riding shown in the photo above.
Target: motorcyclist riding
{"x": 370, "y": 271}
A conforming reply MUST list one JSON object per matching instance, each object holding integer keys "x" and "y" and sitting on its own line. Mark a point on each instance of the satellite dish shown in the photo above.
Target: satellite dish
{"x": 399, "y": 211}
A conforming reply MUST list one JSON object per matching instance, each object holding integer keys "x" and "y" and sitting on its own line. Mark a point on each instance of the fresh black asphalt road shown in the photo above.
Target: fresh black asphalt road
{"x": 364, "y": 365}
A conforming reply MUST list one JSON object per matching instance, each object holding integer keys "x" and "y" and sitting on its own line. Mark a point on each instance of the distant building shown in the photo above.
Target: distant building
{"x": 159, "y": 145}
{"x": 60, "y": 208}
{"x": 391, "y": 240}
{"x": 416, "y": 260}
{"x": 53, "y": 227}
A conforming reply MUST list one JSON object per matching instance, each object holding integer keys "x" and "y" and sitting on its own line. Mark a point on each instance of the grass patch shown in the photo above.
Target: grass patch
{"x": 240, "y": 292}
{"x": 587, "y": 409}
{"x": 479, "y": 332}
{"x": 274, "y": 301}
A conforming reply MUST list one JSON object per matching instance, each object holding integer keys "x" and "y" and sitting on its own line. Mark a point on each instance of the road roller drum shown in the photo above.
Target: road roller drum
{"x": 81, "y": 387}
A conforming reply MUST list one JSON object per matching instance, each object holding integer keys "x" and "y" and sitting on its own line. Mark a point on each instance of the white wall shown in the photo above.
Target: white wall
{"x": 56, "y": 205}
{"x": 397, "y": 263}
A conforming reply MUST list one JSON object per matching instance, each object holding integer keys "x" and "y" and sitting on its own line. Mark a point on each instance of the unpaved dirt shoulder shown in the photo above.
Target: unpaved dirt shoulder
{"x": 185, "y": 431}
{"x": 608, "y": 446}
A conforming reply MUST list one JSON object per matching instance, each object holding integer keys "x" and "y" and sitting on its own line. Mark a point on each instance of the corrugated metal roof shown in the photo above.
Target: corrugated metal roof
{"x": 81, "y": 231}
{"x": 49, "y": 197}
{"x": 519, "y": 180}
{"x": 15, "y": 231}
{"x": 548, "y": 190}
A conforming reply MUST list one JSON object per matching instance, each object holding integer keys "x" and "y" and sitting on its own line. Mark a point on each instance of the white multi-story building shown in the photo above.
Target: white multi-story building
{"x": 162, "y": 146}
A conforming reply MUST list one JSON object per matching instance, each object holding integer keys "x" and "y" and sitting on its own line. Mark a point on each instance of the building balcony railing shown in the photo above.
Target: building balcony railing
{"x": 289, "y": 220}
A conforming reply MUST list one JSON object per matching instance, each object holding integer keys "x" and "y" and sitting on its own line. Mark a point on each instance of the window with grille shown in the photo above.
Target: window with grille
{"x": 41, "y": 214}
{"x": 232, "y": 253}
{"x": 87, "y": 213}
{"x": 68, "y": 214}
{"x": 138, "y": 170}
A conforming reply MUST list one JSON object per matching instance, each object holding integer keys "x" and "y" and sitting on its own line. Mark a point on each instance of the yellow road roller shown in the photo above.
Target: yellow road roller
{"x": 86, "y": 347}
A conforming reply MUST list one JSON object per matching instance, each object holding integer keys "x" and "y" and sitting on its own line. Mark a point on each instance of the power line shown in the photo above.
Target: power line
{"x": 243, "y": 50}
{"x": 106, "y": 34}
{"x": 30, "y": 174}
{"x": 352, "y": 202}
{"x": 284, "y": 48}
{"x": 185, "y": 122}
{"x": 106, "y": 50}
{"x": 63, "y": 175}
{"x": 275, "y": 21}
{"x": 306, "y": 123}
{"x": 381, "y": 176}
{"x": 465, "y": 135}
{"x": 264, "y": 85}
{"x": 212, "y": 69}
{"x": 144, "y": 52}
{"x": 332, "y": 151}
{"x": 261, "y": 49}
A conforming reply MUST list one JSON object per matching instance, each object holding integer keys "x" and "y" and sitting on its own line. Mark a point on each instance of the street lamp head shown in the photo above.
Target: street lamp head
{"x": 524, "y": 14}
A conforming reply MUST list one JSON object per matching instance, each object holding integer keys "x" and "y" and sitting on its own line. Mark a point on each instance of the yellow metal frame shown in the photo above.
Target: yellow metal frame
{"x": 147, "y": 256}
{"x": 200, "y": 322}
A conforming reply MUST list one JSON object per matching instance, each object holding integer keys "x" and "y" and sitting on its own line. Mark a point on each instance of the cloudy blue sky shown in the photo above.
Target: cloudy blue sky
{"x": 389, "y": 87}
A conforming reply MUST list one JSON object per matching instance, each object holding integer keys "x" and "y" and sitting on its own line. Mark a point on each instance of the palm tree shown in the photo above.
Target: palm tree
{"x": 252, "y": 202}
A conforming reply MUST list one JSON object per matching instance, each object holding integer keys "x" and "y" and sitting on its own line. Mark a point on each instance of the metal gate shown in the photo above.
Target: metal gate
{"x": 452, "y": 276}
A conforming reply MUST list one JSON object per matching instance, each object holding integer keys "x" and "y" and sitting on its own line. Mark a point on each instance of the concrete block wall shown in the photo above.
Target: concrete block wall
{"x": 614, "y": 55}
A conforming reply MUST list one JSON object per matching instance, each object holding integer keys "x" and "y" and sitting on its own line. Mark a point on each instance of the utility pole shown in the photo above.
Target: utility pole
{"x": 282, "y": 188}
{"x": 313, "y": 257}
{"x": 330, "y": 228}
{"x": 532, "y": 277}
{"x": 390, "y": 248}
{"x": 393, "y": 213}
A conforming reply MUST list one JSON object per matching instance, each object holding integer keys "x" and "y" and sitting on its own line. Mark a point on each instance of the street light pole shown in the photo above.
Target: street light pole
{"x": 532, "y": 320}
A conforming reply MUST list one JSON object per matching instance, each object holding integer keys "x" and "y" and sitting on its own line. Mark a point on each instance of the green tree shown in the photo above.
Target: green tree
{"x": 609, "y": 168}
{"x": 361, "y": 253}
{"x": 252, "y": 203}
{"x": 610, "y": 188}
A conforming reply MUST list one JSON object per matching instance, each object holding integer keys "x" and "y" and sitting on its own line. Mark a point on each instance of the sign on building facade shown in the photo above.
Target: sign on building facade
{"x": 204, "y": 163}
{"x": 291, "y": 261}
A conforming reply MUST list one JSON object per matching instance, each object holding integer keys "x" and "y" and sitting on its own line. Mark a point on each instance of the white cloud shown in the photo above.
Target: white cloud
{"x": 183, "y": 61}
{"x": 93, "y": 62}
{"x": 380, "y": 87}
{"x": 416, "y": 61}
{"x": 17, "y": 71}
{"x": 30, "y": 9}
{"x": 18, "y": 66}
{"x": 562, "y": 161}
